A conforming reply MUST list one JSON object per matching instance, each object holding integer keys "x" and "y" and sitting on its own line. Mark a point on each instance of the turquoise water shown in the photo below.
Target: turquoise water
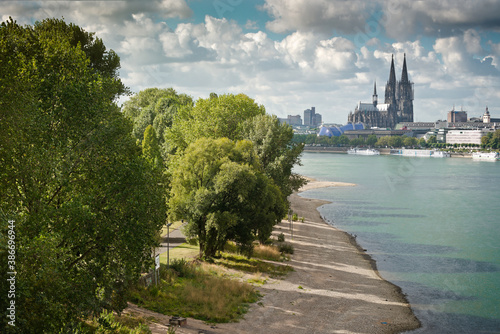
{"x": 432, "y": 225}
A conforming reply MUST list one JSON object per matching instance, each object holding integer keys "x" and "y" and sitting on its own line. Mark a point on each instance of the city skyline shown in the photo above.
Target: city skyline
{"x": 291, "y": 55}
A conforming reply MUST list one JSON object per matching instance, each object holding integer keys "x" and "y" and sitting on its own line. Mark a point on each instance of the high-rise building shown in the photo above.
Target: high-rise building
{"x": 457, "y": 116}
{"x": 311, "y": 118}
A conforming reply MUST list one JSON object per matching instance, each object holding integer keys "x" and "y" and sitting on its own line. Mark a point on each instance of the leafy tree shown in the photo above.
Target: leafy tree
{"x": 215, "y": 117}
{"x": 104, "y": 62}
{"x": 299, "y": 138}
{"x": 156, "y": 107}
{"x": 395, "y": 141}
{"x": 357, "y": 142}
{"x": 343, "y": 140}
{"x": 432, "y": 140}
{"x": 276, "y": 151}
{"x": 71, "y": 177}
{"x": 371, "y": 140}
{"x": 383, "y": 141}
{"x": 218, "y": 188}
{"x": 409, "y": 141}
{"x": 422, "y": 142}
{"x": 493, "y": 140}
{"x": 310, "y": 139}
{"x": 151, "y": 149}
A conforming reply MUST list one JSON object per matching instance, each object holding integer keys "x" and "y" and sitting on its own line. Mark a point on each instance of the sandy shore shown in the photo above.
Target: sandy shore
{"x": 334, "y": 287}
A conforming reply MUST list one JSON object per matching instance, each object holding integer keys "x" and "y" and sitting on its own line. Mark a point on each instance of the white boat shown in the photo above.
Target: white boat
{"x": 368, "y": 151}
{"x": 486, "y": 156}
{"x": 440, "y": 154}
{"x": 420, "y": 153}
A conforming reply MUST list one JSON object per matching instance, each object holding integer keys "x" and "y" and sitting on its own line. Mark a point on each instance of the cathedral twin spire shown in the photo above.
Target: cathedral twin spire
{"x": 404, "y": 74}
{"x": 398, "y": 103}
{"x": 391, "y": 90}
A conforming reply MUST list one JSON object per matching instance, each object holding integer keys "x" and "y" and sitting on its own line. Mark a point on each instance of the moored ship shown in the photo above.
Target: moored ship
{"x": 485, "y": 156}
{"x": 420, "y": 153}
{"x": 368, "y": 151}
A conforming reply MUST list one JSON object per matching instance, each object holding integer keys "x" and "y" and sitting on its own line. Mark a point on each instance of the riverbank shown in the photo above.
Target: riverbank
{"x": 334, "y": 288}
{"x": 383, "y": 151}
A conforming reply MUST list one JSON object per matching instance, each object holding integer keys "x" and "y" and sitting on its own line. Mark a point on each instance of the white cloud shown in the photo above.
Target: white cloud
{"x": 458, "y": 54}
{"x": 313, "y": 62}
{"x": 317, "y": 15}
{"x": 334, "y": 56}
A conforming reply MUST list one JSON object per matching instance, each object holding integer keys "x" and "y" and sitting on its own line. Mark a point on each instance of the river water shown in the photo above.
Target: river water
{"x": 431, "y": 224}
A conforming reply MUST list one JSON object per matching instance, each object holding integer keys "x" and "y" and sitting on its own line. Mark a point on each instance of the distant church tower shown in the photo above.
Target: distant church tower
{"x": 405, "y": 96}
{"x": 375, "y": 97}
{"x": 390, "y": 88}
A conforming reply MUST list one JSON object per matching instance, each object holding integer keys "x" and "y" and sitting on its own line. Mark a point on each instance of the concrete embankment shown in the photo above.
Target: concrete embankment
{"x": 383, "y": 151}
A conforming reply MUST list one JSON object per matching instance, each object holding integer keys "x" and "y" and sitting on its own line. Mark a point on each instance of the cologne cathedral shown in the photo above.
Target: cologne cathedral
{"x": 397, "y": 107}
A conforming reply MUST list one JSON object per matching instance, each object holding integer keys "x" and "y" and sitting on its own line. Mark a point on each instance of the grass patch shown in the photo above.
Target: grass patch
{"x": 108, "y": 322}
{"x": 257, "y": 279}
{"x": 252, "y": 265}
{"x": 267, "y": 252}
{"x": 184, "y": 251}
{"x": 192, "y": 289}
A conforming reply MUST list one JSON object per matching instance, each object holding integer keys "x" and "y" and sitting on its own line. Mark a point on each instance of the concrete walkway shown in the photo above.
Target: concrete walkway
{"x": 177, "y": 238}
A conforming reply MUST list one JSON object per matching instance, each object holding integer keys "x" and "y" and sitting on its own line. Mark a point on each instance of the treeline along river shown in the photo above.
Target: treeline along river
{"x": 432, "y": 226}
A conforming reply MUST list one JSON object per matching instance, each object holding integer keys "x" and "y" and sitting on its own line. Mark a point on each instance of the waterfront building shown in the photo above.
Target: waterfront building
{"x": 465, "y": 136}
{"x": 337, "y": 131}
{"x": 397, "y": 106}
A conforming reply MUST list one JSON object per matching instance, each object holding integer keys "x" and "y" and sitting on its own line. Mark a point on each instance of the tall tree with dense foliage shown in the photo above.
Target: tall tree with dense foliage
{"x": 215, "y": 117}
{"x": 276, "y": 151}
{"x": 218, "y": 187}
{"x": 151, "y": 149}
{"x": 156, "y": 107}
{"x": 71, "y": 177}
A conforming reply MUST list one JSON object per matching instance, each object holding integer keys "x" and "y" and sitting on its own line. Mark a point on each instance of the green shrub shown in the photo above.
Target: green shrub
{"x": 286, "y": 248}
{"x": 295, "y": 217}
{"x": 183, "y": 268}
{"x": 192, "y": 241}
{"x": 281, "y": 237}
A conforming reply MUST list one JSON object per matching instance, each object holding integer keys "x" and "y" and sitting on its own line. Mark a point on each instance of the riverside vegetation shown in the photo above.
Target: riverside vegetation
{"x": 490, "y": 141}
{"x": 219, "y": 291}
{"x": 89, "y": 184}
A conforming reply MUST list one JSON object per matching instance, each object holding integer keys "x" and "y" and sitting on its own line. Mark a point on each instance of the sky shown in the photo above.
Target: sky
{"x": 291, "y": 55}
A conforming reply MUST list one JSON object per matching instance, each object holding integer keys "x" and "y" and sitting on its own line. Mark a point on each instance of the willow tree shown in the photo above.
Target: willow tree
{"x": 218, "y": 187}
{"x": 156, "y": 107}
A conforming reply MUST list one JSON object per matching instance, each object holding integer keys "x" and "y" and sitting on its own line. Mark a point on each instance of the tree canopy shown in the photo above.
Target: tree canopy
{"x": 215, "y": 117}
{"x": 276, "y": 151}
{"x": 156, "y": 107}
{"x": 217, "y": 186}
{"x": 72, "y": 178}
